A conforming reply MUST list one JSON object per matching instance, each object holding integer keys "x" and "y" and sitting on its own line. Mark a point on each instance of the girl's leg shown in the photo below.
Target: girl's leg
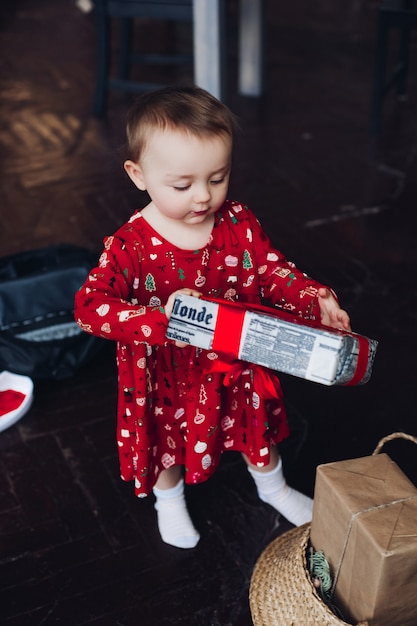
{"x": 273, "y": 489}
{"x": 174, "y": 522}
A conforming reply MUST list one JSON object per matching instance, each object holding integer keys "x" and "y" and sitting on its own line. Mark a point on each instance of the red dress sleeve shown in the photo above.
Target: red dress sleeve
{"x": 281, "y": 282}
{"x": 104, "y": 305}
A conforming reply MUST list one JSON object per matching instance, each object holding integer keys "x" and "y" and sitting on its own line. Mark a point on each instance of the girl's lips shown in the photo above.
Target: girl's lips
{"x": 200, "y": 212}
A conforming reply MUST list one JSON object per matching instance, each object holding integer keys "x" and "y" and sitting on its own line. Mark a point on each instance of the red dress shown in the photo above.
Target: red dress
{"x": 171, "y": 408}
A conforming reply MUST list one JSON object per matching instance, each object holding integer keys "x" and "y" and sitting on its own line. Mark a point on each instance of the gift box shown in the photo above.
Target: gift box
{"x": 365, "y": 522}
{"x": 274, "y": 339}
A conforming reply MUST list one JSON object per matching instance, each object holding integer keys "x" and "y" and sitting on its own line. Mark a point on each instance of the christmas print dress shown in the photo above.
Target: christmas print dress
{"x": 173, "y": 405}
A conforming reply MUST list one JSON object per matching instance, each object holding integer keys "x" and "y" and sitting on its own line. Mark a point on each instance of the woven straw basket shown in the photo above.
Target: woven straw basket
{"x": 281, "y": 592}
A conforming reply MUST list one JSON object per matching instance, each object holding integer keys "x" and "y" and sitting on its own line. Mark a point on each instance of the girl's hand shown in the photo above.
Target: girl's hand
{"x": 331, "y": 313}
{"x": 170, "y": 304}
{"x": 185, "y": 292}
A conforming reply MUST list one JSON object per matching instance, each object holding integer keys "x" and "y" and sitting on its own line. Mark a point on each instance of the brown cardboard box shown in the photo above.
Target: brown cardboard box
{"x": 365, "y": 521}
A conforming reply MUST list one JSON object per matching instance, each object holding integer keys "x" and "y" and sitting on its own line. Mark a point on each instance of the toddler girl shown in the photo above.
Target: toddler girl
{"x": 175, "y": 413}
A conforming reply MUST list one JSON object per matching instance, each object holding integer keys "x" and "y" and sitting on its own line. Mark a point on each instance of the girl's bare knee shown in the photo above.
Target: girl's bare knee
{"x": 169, "y": 477}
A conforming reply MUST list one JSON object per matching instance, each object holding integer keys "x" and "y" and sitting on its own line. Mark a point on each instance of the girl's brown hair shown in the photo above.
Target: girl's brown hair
{"x": 190, "y": 109}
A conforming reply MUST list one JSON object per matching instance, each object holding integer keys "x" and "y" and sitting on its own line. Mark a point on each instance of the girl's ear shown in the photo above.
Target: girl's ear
{"x": 134, "y": 172}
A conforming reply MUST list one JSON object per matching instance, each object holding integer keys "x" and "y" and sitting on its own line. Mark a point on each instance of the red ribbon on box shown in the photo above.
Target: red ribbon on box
{"x": 229, "y": 324}
{"x": 362, "y": 362}
{"x": 228, "y": 332}
{"x": 265, "y": 382}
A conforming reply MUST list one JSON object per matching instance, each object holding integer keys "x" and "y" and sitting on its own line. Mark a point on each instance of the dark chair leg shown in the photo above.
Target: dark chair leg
{"x": 102, "y": 62}
{"x": 125, "y": 52}
{"x": 379, "y": 75}
{"x": 404, "y": 61}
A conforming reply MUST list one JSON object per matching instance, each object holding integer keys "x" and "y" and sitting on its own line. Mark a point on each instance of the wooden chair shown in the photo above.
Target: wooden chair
{"x": 400, "y": 15}
{"x": 126, "y": 11}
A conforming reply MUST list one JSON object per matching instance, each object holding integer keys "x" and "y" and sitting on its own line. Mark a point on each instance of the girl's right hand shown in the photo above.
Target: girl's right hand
{"x": 185, "y": 292}
{"x": 170, "y": 304}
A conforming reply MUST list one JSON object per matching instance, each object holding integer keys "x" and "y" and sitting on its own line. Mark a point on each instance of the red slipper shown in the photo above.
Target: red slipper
{"x": 16, "y": 395}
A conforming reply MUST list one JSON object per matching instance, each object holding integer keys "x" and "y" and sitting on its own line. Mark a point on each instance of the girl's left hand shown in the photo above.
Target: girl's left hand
{"x": 331, "y": 313}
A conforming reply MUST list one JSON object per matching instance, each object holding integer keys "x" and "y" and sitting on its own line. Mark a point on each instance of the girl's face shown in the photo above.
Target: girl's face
{"x": 185, "y": 176}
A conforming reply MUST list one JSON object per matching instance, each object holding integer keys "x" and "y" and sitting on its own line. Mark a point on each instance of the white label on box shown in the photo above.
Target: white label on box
{"x": 324, "y": 359}
{"x": 287, "y": 347}
{"x": 193, "y": 321}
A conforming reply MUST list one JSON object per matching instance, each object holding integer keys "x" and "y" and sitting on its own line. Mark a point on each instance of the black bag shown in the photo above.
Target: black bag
{"x": 38, "y": 334}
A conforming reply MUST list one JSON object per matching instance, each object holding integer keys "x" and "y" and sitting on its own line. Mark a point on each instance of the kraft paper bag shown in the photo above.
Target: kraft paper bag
{"x": 365, "y": 521}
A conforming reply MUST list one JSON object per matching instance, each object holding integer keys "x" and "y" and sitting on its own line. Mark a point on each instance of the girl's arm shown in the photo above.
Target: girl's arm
{"x": 104, "y": 305}
{"x": 290, "y": 289}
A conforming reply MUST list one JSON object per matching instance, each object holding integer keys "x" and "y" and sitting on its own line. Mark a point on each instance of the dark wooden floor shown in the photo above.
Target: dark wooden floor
{"x": 76, "y": 547}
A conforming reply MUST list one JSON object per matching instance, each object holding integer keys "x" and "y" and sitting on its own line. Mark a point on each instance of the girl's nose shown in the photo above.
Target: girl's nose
{"x": 202, "y": 194}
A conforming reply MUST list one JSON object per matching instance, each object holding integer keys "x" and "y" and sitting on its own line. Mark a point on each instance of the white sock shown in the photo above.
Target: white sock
{"x": 174, "y": 522}
{"x": 273, "y": 489}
